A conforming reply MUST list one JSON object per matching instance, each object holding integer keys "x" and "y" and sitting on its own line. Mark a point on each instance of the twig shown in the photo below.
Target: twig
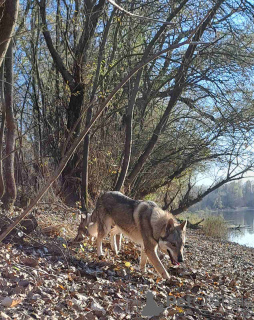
{"x": 137, "y": 16}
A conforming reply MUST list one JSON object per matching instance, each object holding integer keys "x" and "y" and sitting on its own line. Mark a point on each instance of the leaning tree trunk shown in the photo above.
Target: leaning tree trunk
{"x": 8, "y": 17}
{"x": 9, "y": 196}
{"x": 2, "y": 102}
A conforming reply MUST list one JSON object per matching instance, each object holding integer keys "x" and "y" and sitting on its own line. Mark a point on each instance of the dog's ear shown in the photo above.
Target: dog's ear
{"x": 183, "y": 226}
{"x": 170, "y": 224}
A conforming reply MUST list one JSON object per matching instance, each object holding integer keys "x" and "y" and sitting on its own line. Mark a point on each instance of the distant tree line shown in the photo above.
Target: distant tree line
{"x": 232, "y": 195}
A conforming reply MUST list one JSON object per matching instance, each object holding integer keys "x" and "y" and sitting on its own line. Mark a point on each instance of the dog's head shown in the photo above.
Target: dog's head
{"x": 83, "y": 227}
{"x": 172, "y": 240}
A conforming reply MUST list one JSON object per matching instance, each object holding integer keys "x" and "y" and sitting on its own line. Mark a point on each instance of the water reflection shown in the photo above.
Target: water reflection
{"x": 241, "y": 217}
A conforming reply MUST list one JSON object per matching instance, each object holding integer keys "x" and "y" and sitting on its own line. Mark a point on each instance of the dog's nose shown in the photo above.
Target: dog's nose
{"x": 180, "y": 258}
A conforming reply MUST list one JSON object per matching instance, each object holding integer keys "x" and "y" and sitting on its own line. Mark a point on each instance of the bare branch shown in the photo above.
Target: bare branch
{"x": 138, "y": 16}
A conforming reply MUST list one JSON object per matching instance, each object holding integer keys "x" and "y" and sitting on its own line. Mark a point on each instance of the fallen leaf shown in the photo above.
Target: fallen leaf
{"x": 10, "y": 303}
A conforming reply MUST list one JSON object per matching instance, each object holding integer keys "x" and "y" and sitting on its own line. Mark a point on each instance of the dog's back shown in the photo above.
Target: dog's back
{"x": 117, "y": 208}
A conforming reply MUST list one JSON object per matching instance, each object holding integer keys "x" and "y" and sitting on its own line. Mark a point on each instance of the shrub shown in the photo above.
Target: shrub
{"x": 215, "y": 226}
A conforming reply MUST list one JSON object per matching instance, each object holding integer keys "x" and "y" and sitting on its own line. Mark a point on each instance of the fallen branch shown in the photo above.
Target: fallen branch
{"x": 192, "y": 225}
{"x": 238, "y": 227}
{"x": 25, "y": 227}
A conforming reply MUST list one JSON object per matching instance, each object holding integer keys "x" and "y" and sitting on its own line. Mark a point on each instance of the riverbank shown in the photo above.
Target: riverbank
{"x": 54, "y": 281}
{"x": 212, "y": 223}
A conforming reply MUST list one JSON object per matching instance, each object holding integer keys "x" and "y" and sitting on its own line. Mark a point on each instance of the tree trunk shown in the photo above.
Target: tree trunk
{"x": 2, "y": 102}
{"x": 85, "y": 173}
{"x": 9, "y": 196}
{"x": 73, "y": 113}
{"x": 8, "y": 17}
{"x": 128, "y": 135}
{"x": 84, "y": 182}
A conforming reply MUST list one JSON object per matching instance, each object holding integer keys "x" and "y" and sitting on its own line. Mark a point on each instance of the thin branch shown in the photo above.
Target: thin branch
{"x": 137, "y": 16}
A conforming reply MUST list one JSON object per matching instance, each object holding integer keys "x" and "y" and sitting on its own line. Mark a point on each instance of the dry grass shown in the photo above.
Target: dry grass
{"x": 215, "y": 226}
{"x": 192, "y": 217}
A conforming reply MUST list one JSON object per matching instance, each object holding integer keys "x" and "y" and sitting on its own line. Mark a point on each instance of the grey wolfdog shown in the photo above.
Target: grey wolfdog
{"x": 141, "y": 221}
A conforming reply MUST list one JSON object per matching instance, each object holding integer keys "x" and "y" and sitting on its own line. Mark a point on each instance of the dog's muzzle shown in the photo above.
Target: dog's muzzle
{"x": 173, "y": 261}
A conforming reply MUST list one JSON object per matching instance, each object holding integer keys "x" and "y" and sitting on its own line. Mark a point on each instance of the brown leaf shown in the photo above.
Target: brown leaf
{"x": 30, "y": 262}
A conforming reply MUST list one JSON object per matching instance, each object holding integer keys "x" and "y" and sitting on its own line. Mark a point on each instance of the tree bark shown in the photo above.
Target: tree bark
{"x": 2, "y": 128}
{"x": 8, "y": 17}
{"x": 84, "y": 182}
{"x": 128, "y": 135}
{"x": 9, "y": 196}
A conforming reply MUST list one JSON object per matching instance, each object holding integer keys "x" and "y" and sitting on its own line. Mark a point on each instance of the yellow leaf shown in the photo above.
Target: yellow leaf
{"x": 60, "y": 286}
{"x": 127, "y": 264}
{"x": 64, "y": 245}
{"x": 179, "y": 309}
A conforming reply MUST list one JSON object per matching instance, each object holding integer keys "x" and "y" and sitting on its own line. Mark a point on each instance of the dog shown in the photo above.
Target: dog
{"x": 144, "y": 222}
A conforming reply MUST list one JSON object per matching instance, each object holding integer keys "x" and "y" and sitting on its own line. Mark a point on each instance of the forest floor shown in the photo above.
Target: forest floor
{"x": 44, "y": 277}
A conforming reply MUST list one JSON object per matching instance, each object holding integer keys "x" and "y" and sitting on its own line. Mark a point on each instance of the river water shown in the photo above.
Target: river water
{"x": 241, "y": 217}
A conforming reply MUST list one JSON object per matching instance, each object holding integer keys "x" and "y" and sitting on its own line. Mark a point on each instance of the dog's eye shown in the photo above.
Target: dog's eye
{"x": 173, "y": 244}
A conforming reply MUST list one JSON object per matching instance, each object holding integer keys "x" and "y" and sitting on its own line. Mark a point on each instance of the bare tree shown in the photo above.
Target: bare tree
{"x": 10, "y": 193}
{"x": 74, "y": 78}
{"x": 174, "y": 96}
{"x": 132, "y": 100}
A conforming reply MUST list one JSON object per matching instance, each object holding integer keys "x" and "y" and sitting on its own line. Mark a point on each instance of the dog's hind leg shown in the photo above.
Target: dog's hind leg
{"x": 119, "y": 241}
{"x": 103, "y": 229}
{"x": 115, "y": 239}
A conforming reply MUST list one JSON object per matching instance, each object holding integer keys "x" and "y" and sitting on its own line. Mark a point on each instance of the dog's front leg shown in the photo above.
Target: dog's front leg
{"x": 154, "y": 259}
{"x": 143, "y": 259}
{"x": 99, "y": 246}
